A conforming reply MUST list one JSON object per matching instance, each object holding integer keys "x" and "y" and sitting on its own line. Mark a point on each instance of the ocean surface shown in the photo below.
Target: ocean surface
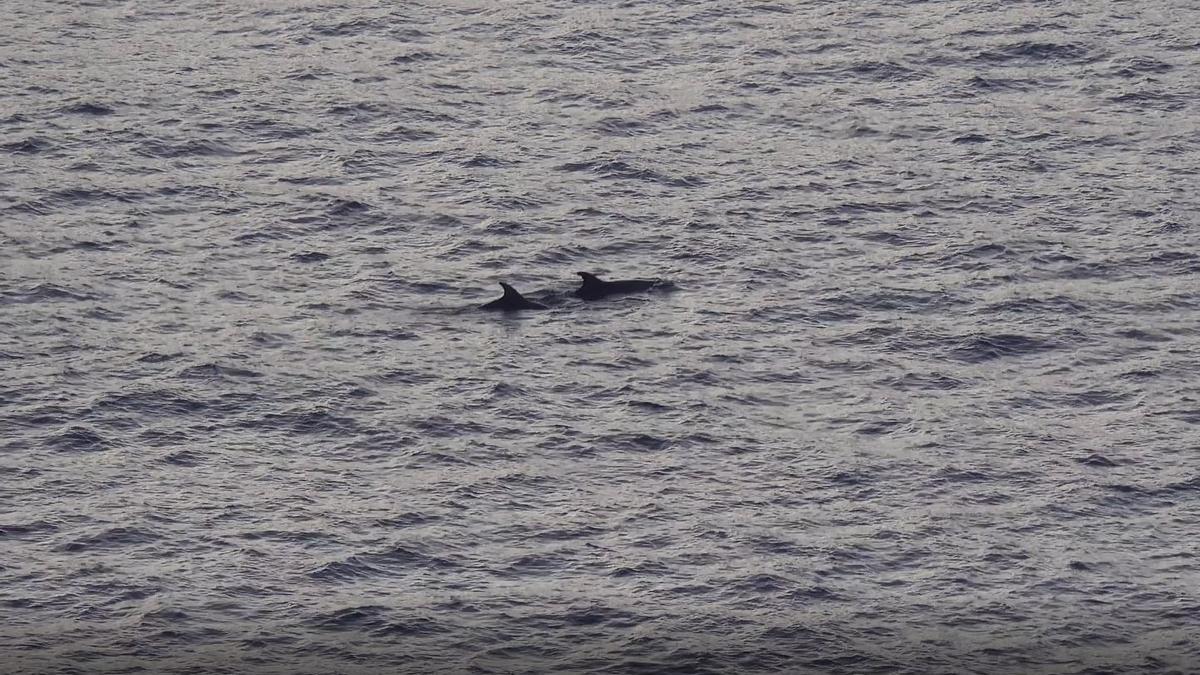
{"x": 924, "y": 396}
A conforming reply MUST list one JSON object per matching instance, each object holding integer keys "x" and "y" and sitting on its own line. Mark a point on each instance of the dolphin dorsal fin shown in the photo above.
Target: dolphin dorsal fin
{"x": 510, "y": 292}
{"x": 590, "y": 279}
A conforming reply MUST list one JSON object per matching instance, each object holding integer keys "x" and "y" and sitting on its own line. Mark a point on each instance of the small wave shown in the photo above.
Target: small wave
{"x": 894, "y": 299}
{"x": 439, "y": 426}
{"x": 619, "y": 170}
{"x": 855, "y": 129}
{"x": 156, "y": 401}
{"x": 649, "y": 406}
{"x": 500, "y": 227}
{"x": 857, "y": 208}
{"x": 485, "y": 162}
{"x": 1142, "y": 335}
{"x": 182, "y": 457}
{"x": 79, "y": 439}
{"x": 37, "y": 207}
{"x": 881, "y": 427}
{"x": 970, "y": 139}
{"x": 1189, "y": 485}
{"x": 951, "y": 475}
{"x": 395, "y": 561}
{"x": 634, "y": 442}
{"x": 94, "y": 245}
{"x": 159, "y": 357}
{"x": 1187, "y": 415}
{"x": 1035, "y": 52}
{"x": 1157, "y": 100}
{"x": 235, "y": 296}
{"x": 103, "y": 314}
{"x": 980, "y": 348}
{"x": 401, "y": 375}
{"x": 374, "y": 620}
{"x": 150, "y": 401}
{"x": 269, "y": 339}
{"x": 424, "y": 458}
{"x": 286, "y": 536}
{"x": 1090, "y": 398}
{"x": 507, "y": 202}
{"x": 117, "y": 537}
{"x": 89, "y": 197}
{"x": 1097, "y": 460}
{"x": 188, "y": 148}
{"x": 931, "y": 381}
{"x": 758, "y": 584}
{"x": 383, "y": 334}
{"x": 543, "y": 564}
{"x": 346, "y": 207}
{"x": 355, "y": 27}
{"x": 20, "y": 530}
{"x": 597, "y": 615}
{"x": 275, "y": 129}
{"x": 310, "y": 257}
{"x": 213, "y": 371}
{"x": 562, "y": 255}
{"x": 360, "y": 109}
{"x": 1139, "y": 65}
{"x": 882, "y": 71}
{"x": 1057, "y": 303}
{"x": 86, "y": 108}
{"x": 29, "y": 146}
{"x": 413, "y": 57}
{"x": 1130, "y": 499}
{"x": 647, "y": 568}
{"x": 410, "y": 519}
{"x": 568, "y": 533}
{"x": 1139, "y": 374}
{"x": 594, "y": 46}
{"x": 616, "y": 126}
{"x": 306, "y": 422}
{"x": 260, "y": 236}
{"x": 994, "y": 84}
{"x": 978, "y": 257}
{"x": 43, "y": 293}
{"x": 407, "y": 133}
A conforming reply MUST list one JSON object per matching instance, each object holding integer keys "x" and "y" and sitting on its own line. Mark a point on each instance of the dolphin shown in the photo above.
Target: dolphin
{"x": 511, "y": 301}
{"x": 595, "y": 288}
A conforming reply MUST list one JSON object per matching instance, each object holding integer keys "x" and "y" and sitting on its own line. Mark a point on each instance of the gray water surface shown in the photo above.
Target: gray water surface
{"x": 924, "y": 398}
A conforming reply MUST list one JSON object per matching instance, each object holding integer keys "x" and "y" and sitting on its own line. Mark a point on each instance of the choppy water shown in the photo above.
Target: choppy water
{"x": 925, "y": 400}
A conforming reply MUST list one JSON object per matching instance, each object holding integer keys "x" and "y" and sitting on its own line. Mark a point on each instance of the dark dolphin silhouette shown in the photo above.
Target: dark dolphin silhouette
{"x": 595, "y": 288}
{"x": 511, "y": 301}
